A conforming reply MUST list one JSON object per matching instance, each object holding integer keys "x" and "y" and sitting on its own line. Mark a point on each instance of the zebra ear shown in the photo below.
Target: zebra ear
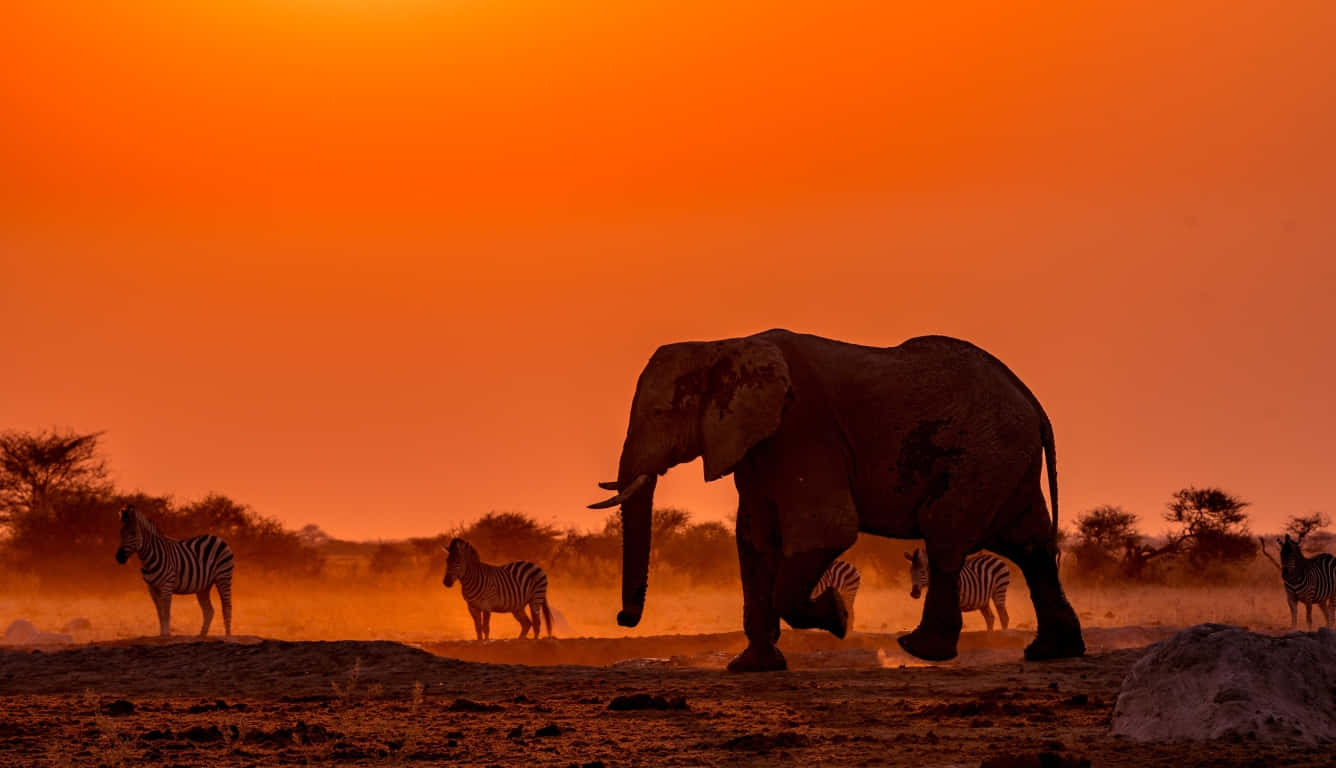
{"x": 909, "y": 557}
{"x": 445, "y": 548}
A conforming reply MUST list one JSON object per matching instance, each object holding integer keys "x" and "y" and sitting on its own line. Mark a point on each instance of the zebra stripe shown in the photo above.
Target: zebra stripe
{"x": 1308, "y": 580}
{"x": 982, "y": 578}
{"x": 171, "y": 567}
{"x": 843, "y": 578}
{"x": 508, "y": 588}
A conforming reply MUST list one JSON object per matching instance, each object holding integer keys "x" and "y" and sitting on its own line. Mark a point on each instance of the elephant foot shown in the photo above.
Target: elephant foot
{"x": 758, "y": 658}
{"x": 927, "y": 646}
{"x": 837, "y": 610}
{"x": 1056, "y": 645}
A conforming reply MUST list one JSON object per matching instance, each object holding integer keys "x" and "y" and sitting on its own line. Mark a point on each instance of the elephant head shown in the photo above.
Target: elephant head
{"x": 713, "y": 400}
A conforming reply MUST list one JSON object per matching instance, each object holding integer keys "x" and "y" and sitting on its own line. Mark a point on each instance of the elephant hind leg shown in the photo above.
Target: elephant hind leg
{"x": 1059, "y": 634}
{"x": 796, "y": 578}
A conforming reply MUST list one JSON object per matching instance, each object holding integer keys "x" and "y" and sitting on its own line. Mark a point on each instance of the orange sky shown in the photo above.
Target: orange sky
{"x": 384, "y": 265}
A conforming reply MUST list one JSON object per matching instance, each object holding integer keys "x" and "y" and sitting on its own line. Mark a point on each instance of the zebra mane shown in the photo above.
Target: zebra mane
{"x": 145, "y": 525}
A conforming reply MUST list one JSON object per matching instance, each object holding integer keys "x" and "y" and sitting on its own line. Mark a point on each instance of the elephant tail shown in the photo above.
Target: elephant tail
{"x": 1046, "y": 437}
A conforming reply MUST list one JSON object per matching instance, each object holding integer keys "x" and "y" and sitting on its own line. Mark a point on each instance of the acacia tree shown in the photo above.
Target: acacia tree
{"x": 1212, "y": 523}
{"x": 35, "y": 468}
{"x": 1108, "y": 529}
{"x": 1302, "y": 526}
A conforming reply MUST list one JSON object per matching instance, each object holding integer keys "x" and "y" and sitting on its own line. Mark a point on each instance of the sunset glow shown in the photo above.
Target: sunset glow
{"x": 385, "y": 266}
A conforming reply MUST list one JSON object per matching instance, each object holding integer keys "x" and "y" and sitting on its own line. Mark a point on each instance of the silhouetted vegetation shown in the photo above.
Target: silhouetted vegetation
{"x": 1210, "y": 541}
{"x": 61, "y": 517}
{"x": 1309, "y": 528}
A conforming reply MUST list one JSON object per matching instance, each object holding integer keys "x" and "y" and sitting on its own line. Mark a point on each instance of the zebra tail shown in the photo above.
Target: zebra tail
{"x": 547, "y": 616}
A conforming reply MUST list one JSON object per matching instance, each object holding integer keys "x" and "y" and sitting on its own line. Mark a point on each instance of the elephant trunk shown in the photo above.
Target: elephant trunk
{"x": 636, "y": 519}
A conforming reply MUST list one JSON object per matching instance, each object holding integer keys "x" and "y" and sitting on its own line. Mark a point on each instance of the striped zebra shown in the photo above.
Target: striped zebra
{"x": 171, "y": 567}
{"x": 982, "y": 578}
{"x": 1308, "y": 580}
{"x": 511, "y": 588}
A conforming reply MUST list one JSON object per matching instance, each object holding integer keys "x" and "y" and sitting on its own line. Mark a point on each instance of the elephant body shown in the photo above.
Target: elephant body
{"x": 933, "y": 439}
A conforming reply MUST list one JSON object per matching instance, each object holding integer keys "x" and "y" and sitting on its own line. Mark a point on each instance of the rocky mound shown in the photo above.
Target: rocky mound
{"x": 1215, "y": 681}
{"x": 22, "y": 632}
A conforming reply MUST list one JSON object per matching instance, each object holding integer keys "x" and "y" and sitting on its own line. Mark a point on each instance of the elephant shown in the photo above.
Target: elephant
{"x": 933, "y": 439}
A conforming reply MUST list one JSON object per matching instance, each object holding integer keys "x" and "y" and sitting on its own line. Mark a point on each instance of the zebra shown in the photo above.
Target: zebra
{"x": 1308, "y": 580}
{"x": 171, "y": 567}
{"x": 510, "y": 587}
{"x": 982, "y": 578}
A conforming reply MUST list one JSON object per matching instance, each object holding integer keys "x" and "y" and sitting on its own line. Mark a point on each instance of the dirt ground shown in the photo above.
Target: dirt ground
{"x": 647, "y": 701}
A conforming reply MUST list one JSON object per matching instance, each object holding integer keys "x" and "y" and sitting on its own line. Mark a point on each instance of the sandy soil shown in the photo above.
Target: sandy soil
{"x": 264, "y": 702}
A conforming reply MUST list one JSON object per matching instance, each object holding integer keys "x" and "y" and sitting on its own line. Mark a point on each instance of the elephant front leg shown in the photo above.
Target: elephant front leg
{"x": 939, "y": 630}
{"x": 797, "y": 577}
{"x": 760, "y": 621}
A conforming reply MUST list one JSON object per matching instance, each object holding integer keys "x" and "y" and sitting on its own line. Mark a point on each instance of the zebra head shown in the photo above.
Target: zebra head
{"x": 918, "y": 572}
{"x": 460, "y": 555}
{"x": 130, "y": 536}
{"x": 1289, "y": 557}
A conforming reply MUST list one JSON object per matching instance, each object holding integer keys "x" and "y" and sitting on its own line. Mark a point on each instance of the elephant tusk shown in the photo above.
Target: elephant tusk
{"x": 630, "y": 491}
{"x": 609, "y": 486}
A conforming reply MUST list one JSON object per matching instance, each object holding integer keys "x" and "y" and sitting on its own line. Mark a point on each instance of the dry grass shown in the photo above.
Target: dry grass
{"x": 315, "y": 611}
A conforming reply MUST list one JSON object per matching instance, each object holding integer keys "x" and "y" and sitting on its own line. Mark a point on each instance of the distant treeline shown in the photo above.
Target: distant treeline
{"x": 59, "y": 525}
{"x": 1208, "y": 541}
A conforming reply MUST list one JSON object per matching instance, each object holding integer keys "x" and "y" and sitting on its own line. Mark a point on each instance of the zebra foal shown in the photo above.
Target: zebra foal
{"x": 982, "y": 578}
{"x": 511, "y": 588}
{"x": 171, "y": 567}
{"x": 1308, "y": 580}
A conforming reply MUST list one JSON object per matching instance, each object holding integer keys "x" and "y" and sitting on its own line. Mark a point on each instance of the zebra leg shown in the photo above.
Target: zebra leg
{"x": 225, "y": 597}
{"x": 1326, "y": 610}
{"x": 206, "y": 608}
{"x": 1309, "y": 608}
{"x": 163, "y": 602}
{"x": 987, "y": 615}
{"x": 537, "y": 621}
{"x": 523, "y": 620}
{"x": 1293, "y": 601}
{"x": 477, "y": 620}
{"x": 1001, "y": 602}
{"x": 486, "y": 625}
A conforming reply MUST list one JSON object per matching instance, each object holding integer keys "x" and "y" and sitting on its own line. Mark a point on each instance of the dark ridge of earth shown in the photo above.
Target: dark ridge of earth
{"x": 268, "y": 703}
{"x": 243, "y": 663}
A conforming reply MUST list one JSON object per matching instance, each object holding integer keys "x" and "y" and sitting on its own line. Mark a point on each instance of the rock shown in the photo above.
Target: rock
{"x": 1215, "y": 681}
{"x": 551, "y": 729}
{"x": 468, "y": 705}
{"x": 22, "y": 632}
{"x": 119, "y": 708}
{"x": 79, "y": 624}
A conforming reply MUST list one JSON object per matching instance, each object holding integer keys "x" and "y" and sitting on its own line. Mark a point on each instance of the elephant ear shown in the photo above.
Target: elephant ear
{"x": 744, "y": 401}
